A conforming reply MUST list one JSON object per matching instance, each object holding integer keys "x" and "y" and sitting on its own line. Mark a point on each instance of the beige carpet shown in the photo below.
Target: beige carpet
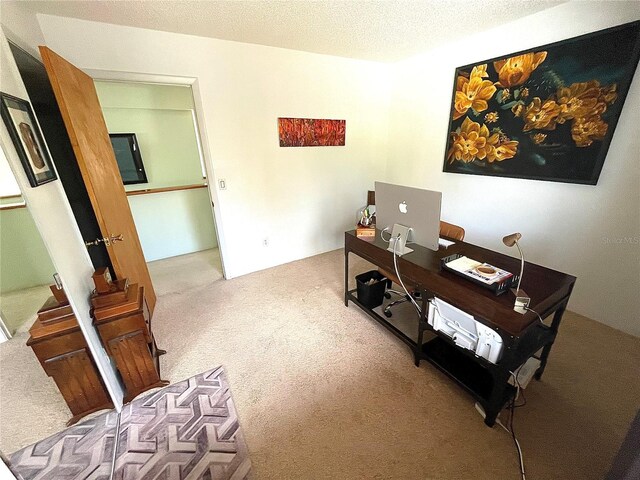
{"x": 322, "y": 391}
{"x": 31, "y": 407}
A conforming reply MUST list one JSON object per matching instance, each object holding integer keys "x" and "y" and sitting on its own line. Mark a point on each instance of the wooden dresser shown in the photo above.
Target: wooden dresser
{"x": 60, "y": 346}
{"x": 124, "y": 325}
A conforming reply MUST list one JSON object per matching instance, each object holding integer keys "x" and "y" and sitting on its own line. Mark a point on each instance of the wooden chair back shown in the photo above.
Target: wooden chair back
{"x": 450, "y": 230}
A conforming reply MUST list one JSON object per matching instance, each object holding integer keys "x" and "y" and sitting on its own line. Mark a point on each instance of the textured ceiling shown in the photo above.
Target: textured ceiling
{"x": 386, "y": 30}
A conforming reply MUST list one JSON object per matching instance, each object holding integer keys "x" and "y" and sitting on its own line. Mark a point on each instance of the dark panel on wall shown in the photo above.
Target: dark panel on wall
{"x": 46, "y": 108}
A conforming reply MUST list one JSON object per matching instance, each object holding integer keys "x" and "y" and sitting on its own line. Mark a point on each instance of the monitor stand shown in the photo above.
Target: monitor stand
{"x": 400, "y": 234}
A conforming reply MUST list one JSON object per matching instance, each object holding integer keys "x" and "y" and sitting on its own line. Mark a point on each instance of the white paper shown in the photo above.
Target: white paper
{"x": 445, "y": 243}
{"x": 463, "y": 264}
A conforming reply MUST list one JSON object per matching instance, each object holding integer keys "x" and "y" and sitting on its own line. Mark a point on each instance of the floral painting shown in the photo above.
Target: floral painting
{"x": 546, "y": 114}
{"x": 310, "y": 132}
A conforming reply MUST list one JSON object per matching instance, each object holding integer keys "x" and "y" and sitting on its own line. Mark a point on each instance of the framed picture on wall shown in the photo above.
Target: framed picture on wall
{"x": 20, "y": 121}
{"x": 547, "y": 113}
{"x": 311, "y": 132}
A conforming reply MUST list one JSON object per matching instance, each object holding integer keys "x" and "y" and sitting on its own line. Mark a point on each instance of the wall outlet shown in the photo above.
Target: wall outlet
{"x": 222, "y": 183}
{"x": 265, "y": 242}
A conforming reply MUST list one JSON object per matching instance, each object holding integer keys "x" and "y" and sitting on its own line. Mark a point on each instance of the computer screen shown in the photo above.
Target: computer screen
{"x": 412, "y": 207}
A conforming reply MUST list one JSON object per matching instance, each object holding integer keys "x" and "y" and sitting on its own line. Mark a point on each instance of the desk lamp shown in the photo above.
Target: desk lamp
{"x": 522, "y": 299}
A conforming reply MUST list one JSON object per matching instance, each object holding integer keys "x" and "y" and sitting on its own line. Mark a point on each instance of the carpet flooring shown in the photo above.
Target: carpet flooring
{"x": 323, "y": 392}
{"x": 187, "y": 430}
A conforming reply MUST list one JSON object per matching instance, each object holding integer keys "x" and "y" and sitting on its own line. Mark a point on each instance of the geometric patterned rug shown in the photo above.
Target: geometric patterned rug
{"x": 185, "y": 431}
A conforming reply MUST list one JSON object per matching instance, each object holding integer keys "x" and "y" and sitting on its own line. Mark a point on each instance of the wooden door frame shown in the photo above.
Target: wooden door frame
{"x": 201, "y": 132}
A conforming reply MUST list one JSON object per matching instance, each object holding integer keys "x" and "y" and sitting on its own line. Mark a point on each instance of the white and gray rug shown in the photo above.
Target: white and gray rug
{"x": 187, "y": 430}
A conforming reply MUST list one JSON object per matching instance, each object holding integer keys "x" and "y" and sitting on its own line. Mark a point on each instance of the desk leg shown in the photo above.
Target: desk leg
{"x": 555, "y": 325}
{"x": 346, "y": 277}
{"x": 422, "y": 322}
{"x": 495, "y": 402}
{"x": 417, "y": 350}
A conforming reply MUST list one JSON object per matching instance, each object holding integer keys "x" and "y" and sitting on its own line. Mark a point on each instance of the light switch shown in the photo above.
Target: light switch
{"x": 223, "y": 184}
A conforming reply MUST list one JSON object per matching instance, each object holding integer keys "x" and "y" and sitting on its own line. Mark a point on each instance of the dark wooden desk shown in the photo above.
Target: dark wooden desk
{"x": 523, "y": 336}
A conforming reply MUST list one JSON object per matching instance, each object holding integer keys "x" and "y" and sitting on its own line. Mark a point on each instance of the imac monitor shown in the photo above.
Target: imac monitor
{"x": 415, "y": 208}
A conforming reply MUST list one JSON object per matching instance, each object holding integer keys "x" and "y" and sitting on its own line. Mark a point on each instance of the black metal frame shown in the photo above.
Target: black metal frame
{"x": 35, "y": 180}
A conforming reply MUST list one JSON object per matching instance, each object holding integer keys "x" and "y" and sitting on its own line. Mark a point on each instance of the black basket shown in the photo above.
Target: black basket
{"x": 371, "y": 294}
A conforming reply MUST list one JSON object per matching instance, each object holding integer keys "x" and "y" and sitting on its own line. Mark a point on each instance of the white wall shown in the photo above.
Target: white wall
{"x": 21, "y": 26}
{"x": 52, "y": 214}
{"x": 8, "y": 184}
{"x": 592, "y": 232}
{"x": 301, "y": 199}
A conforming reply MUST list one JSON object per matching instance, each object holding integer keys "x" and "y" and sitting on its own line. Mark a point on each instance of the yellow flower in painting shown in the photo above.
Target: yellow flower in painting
{"x": 541, "y": 116}
{"x": 584, "y": 99}
{"x": 538, "y": 138}
{"x": 585, "y": 130}
{"x": 469, "y": 143}
{"x": 517, "y": 109}
{"x": 506, "y": 94}
{"x": 491, "y": 117}
{"x": 579, "y": 100}
{"x": 500, "y": 148}
{"x": 503, "y": 151}
{"x": 517, "y": 70}
{"x": 609, "y": 94}
{"x": 473, "y": 92}
{"x": 524, "y": 93}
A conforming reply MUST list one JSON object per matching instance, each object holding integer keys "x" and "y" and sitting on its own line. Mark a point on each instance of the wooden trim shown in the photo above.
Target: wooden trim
{"x": 12, "y": 206}
{"x": 166, "y": 189}
{"x": 6, "y": 197}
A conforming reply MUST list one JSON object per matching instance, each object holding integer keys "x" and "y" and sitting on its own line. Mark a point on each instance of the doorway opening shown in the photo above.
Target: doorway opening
{"x": 169, "y": 198}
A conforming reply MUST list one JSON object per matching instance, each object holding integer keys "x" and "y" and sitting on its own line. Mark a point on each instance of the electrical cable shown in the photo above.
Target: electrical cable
{"x": 532, "y": 310}
{"x": 511, "y": 429}
{"x": 524, "y": 399}
{"x": 395, "y": 265}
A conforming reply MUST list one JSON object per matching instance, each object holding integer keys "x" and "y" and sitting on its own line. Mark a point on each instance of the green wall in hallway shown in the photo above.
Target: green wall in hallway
{"x": 24, "y": 260}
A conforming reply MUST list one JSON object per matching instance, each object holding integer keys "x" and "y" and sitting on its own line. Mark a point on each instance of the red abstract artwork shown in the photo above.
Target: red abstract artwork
{"x": 309, "y": 132}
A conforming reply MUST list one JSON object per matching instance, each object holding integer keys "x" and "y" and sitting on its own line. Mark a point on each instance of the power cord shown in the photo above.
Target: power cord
{"x": 385, "y": 229}
{"x": 512, "y": 407}
{"x": 397, "y": 270}
{"x": 395, "y": 265}
{"x": 532, "y": 310}
{"x": 511, "y": 430}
